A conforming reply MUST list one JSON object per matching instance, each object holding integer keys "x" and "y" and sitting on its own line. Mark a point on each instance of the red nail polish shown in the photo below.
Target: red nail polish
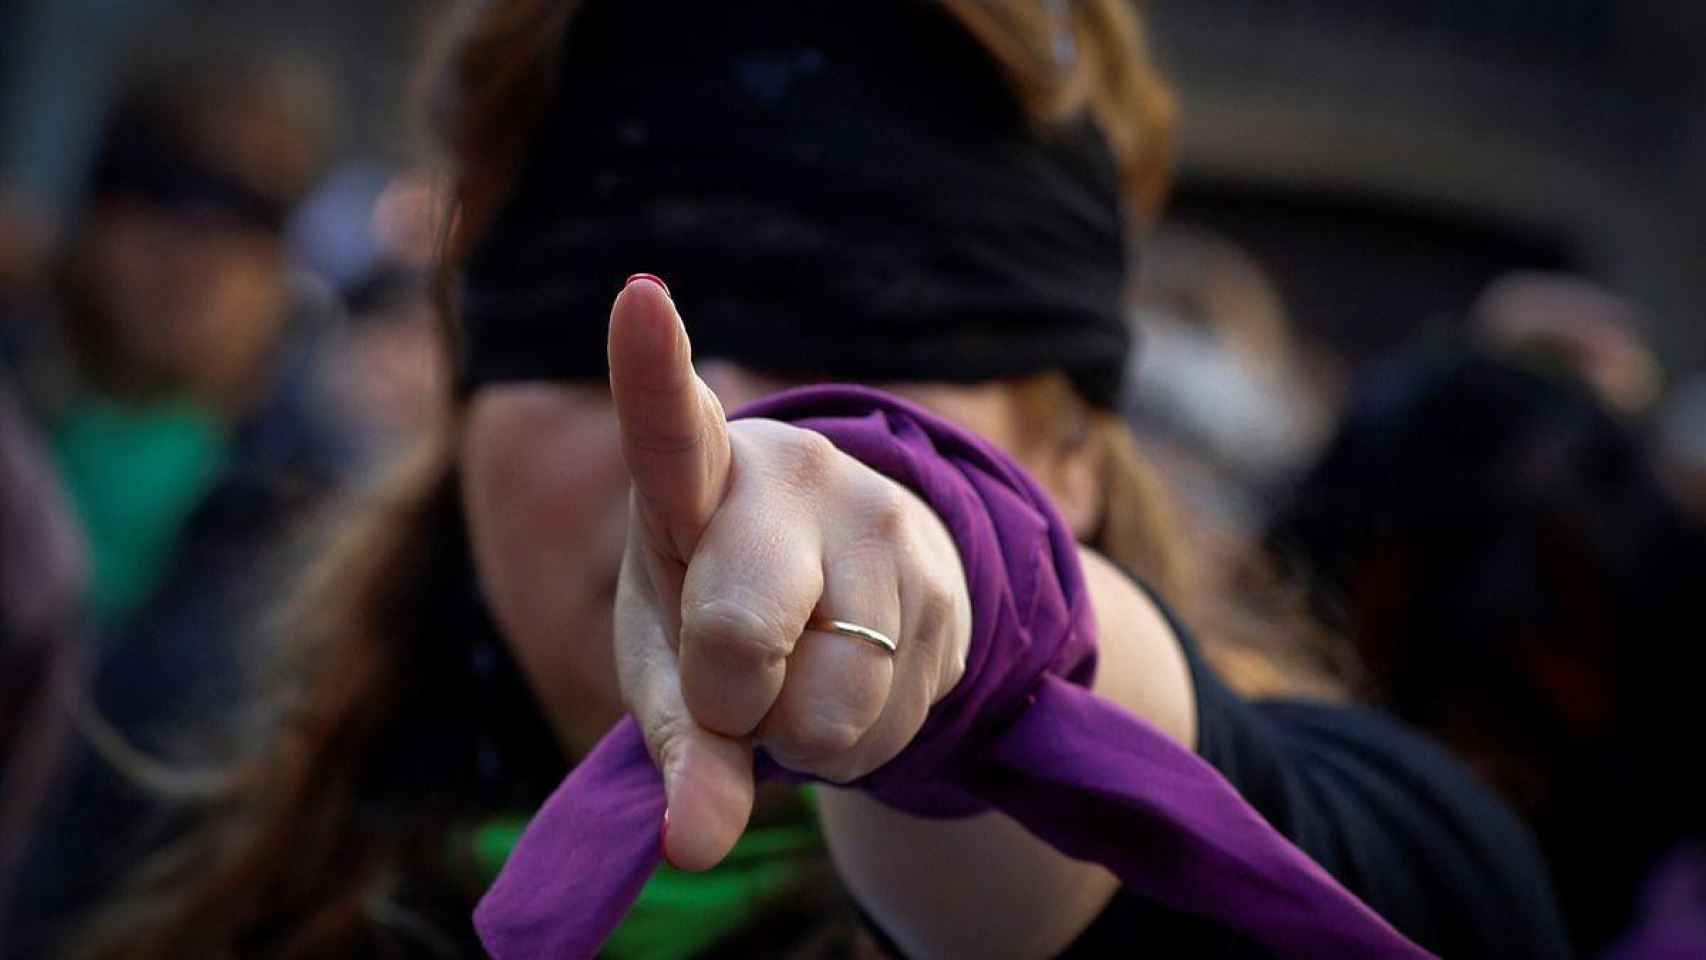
{"x": 663, "y": 837}
{"x": 654, "y": 278}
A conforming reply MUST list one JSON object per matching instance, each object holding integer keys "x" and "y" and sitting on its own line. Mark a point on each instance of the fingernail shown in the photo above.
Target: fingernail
{"x": 654, "y": 278}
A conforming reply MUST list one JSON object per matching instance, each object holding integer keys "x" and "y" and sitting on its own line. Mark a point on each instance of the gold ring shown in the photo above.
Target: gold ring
{"x": 847, "y": 629}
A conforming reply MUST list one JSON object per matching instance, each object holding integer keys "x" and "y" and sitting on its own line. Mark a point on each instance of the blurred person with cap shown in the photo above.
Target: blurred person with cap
{"x": 174, "y": 376}
{"x": 370, "y": 231}
{"x": 1579, "y": 326}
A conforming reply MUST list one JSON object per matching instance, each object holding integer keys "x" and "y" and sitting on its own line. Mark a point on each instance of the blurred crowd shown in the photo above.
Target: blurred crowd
{"x": 231, "y": 330}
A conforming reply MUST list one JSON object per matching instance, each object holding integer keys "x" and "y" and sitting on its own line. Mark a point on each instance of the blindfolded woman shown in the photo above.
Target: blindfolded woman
{"x": 923, "y": 594}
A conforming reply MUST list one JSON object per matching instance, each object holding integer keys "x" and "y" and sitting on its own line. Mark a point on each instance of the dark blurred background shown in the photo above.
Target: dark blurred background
{"x": 1480, "y": 226}
{"x": 1385, "y": 159}
{"x": 1421, "y": 149}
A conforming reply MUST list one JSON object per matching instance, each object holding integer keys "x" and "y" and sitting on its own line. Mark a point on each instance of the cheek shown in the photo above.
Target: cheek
{"x": 548, "y": 521}
{"x": 985, "y": 410}
{"x": 992, "y": 412}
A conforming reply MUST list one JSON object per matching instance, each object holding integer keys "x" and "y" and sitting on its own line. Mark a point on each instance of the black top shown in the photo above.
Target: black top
{"x": 1399, "y": 823}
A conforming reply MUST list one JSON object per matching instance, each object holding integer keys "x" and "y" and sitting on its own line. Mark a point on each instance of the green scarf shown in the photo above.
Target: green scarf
{"x": 679, "y": 914}
{"x": 135, "y": 474}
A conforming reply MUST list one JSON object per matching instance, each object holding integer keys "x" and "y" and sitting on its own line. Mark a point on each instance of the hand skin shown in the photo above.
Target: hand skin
{"x": 742, "y": 532}
{"x": 985, "y": 887}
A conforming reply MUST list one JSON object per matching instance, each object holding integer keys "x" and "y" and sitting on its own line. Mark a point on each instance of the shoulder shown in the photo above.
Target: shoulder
{"x": 1397, "y": 820}
{"x": 1402, "y": 824}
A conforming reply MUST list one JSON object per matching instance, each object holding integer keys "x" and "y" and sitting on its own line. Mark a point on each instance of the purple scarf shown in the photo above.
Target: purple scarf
{"x": 1673, "y": 922}
{"x": 1021, "y": 733}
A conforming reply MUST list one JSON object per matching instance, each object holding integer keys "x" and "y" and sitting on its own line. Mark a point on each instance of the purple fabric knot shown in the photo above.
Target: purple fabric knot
{"x": 1021, "y": 733}
{"x": 1035, "y": 619}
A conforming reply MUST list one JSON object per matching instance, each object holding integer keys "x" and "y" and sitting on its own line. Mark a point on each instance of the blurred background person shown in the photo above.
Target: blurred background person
{"x": 1576, "y": 325}
{"x": 173, "y": 370}
{"x": 42, "y": 569}
{"x": 1222, "y": 391}
{"x": 56, "y": 60}
{"x": 25, "y": 237}
{"x": 1682, "y": 442}
{"x": 369, "y": 231}
{"x": 1520, "y": 584}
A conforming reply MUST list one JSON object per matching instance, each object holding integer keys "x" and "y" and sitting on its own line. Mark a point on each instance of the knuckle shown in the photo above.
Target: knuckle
{"x": 935, "y": 606}
{"x": 811, "y": 458}
{"x": 725, "y": 628}
{"x": 664, "y": 442}
{"x": 666, "y": 740}
{"x": 930, "y": 634}
{"x": 811, "y": 734}
{"x": 954, "y": 670}
{"x": 886, "y": 515}
{"x": 844, "y": 769}
{"x": 826, "y": 738}
{"x": 802, "y": 758}
{"x": 803, "y": 460}
{"x": 731, "y": 702}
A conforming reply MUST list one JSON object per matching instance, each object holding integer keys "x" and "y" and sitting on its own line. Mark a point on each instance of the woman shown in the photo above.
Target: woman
{"x": 980, "y": 276}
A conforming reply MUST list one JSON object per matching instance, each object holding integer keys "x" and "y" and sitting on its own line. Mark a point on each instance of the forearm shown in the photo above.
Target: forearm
{"x": 985, "y": 886}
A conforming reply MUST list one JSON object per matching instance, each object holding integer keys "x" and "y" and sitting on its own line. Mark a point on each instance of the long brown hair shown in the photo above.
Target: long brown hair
{"x": 310, "y": 846}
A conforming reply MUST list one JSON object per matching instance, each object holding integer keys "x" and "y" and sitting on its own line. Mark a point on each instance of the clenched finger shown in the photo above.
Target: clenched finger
{"x": 749, "y": 590}
{"x": 708, "y": 777}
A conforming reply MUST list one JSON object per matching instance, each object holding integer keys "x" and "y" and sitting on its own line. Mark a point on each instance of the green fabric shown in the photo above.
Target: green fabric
{"x": 679, "y": 915}
{"x": 135, "y": 474}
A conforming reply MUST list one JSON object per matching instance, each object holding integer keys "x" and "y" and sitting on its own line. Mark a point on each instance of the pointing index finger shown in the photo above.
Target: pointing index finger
{"x": 674, "y": 432}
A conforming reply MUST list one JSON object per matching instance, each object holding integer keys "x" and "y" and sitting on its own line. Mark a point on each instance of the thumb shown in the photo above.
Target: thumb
{"x": 708, "y": 779}
{"x": 675, "y": 436}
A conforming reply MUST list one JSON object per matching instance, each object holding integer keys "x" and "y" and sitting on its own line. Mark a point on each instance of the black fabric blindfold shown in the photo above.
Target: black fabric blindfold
{"x": 832, "y": 190}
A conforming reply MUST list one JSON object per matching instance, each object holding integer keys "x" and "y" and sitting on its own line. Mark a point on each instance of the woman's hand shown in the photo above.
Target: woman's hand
{"x": 740, "y": 535}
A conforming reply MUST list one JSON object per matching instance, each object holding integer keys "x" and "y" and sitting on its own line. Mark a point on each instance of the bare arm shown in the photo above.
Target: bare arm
{"x": 985, "y": 886}
{"x": 739, "y": 533}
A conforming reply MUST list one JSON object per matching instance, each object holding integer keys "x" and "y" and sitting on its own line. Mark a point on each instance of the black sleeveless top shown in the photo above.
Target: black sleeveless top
{"x": 1388, "y": 813}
